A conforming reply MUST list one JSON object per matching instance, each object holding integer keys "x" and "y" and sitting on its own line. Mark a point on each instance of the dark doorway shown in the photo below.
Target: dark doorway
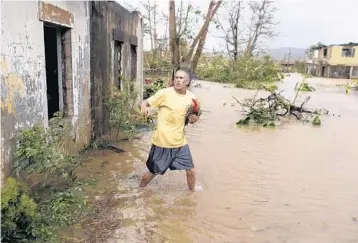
{"x": 134, "y": 62}
{"x": 52, "y": 70}
{"x": 323, "y": 69}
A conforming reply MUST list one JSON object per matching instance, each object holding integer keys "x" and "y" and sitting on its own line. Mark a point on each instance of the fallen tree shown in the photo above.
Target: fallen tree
{"x": 274, "y": 108}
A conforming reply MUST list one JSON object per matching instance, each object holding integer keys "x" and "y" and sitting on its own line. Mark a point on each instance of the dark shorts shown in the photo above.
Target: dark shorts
{"x": 160, "y": 159}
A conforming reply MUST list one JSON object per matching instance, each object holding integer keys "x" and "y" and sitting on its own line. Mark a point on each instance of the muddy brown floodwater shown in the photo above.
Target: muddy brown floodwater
{"x": 292, "y": 184}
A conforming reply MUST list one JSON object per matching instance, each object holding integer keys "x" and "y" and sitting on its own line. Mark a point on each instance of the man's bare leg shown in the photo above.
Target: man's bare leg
{"x": 147, "y": 177}
{"x": 190, "y": 178}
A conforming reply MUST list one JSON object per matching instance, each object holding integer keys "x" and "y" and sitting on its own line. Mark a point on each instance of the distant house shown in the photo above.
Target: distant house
{"x": 333, "y": 61}
{"x": 63, "y": 56}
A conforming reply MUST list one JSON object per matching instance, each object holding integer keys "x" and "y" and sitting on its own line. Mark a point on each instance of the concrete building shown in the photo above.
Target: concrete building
{"x": 57, "y": 57}
{"x": 334, "y": 61}
{"x": 116, "y": 54}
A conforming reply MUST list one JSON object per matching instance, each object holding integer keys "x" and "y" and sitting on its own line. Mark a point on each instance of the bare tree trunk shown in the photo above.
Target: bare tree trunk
{"x": 149, "y": 9}
{"x": 155, "y": 34}
{"x": 213, "y": 7}
{"x": 261, "y": 23}
{"x": 202, "y": 31}
{"x": 235, "y": 30}
{"x": 200, "y": 48}
{"x": 200, "y": 38}
{"x": 174, "y": 43}
{"x": 155, "y": 26}
{"x": 232, "y": 33}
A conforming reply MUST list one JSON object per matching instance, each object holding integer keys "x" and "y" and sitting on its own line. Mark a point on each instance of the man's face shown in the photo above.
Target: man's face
{"x": 180, "y": 81}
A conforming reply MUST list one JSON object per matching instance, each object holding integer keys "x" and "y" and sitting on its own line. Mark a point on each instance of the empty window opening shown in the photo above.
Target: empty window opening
{"x": 325, "y": 51}
{"x": 58, "y": 69}
{"x": 133, "y": 62}
{"x": 118, "y": 64}
{"x": 348, "y": 52}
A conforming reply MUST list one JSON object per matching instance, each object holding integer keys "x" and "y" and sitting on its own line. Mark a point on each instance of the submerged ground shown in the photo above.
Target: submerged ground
{"x": 295, "y": 183}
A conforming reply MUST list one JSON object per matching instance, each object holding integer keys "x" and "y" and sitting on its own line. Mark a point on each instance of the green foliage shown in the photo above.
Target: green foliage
{"x": 40, "y": 155}
{"x": 307, "y": 75}
{"x": 216, "y": 68}
{"x": 57, "y": 208}
{"x": 351, "y": 85}
{"x": 300, "y": 67}
{"x": 304, "y": 86}
{"x": 18, "y": 212}
{"x": 94, "y": 145}
{"x": 150, "y": 89}
{"x": 153, "y": 61}
{"x": 24, "y": 220}
{"x": 245, "y": 72}
{"x": 40, "y": 151}
{"x": 348, "y": 89}
{"x": 270, "y": 111}
{"x": 119, "y": 105}
{"x": 271, "y": 87}
{"x": 316, "y": 121}
{"x": 263, "y": 113}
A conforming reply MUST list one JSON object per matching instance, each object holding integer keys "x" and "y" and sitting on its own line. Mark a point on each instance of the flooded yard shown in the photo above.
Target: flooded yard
{"x": 291, "y": 184}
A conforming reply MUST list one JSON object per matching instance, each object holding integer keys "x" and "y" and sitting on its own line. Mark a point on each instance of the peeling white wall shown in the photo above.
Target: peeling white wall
{"x": 23, "y": 77}
{"x": 23, "y": 73}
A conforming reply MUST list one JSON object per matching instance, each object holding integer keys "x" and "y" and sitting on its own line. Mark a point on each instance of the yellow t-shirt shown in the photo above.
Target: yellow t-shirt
{"x": 171, "y": 116}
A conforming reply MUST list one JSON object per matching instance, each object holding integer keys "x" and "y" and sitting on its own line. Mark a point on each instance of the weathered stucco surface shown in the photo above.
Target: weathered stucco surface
{"x": 110, "y": 23}
{"x": 23, "y": 73}
{"x": 89, "y": 70}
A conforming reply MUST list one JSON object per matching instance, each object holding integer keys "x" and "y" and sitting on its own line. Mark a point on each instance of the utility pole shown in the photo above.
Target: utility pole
{"x": 289, "y": 56}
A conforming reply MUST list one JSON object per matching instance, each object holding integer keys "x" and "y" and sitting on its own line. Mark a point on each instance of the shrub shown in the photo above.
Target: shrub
{"x": 40, "y": 151}
{"x": 40, "y": 154}
{"x": 151, "y": 89}
{"x": 245, "y": 72}
{"x": 18, "y": 212}
{"x": 120, "y": 105}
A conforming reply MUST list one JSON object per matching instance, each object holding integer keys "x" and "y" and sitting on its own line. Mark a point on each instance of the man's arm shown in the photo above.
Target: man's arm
{"x": 145, "y": 107}
{"x": 155, "y": 100}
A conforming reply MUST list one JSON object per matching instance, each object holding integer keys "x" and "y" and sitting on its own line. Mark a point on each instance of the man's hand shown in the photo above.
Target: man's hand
{"x": 193, "y": 119}
{"x": 144, "y": 108}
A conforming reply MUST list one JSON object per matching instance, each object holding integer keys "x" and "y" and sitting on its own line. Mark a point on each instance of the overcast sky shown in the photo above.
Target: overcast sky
{"x": 301, "y": 22}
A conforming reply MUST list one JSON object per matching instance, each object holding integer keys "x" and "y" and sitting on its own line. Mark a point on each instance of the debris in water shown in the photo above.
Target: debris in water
{"x": 304, "y": 86}
{"x": 272, "y": 109}
{"x": 112, "y": 147}
{"x": 104, "y": 163}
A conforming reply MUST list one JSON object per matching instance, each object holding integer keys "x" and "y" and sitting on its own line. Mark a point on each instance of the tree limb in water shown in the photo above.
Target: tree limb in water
{"x": 272, "y": 109}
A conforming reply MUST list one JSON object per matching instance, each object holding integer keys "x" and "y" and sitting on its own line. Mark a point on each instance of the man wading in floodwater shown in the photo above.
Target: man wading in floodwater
{"x": 169, "y": 146}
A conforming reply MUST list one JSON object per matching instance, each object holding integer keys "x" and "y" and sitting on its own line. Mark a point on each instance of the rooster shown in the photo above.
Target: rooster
{"x": 193, "y": 109}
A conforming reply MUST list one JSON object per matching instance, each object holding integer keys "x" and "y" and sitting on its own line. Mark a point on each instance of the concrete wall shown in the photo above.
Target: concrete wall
{"x": 23, "y": 73}
{"x": 130, "y": 24}
{"x": 110, "y": 23}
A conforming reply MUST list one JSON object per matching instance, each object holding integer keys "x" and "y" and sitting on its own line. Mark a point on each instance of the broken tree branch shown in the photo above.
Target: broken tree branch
{"x": 271, "y": 109}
